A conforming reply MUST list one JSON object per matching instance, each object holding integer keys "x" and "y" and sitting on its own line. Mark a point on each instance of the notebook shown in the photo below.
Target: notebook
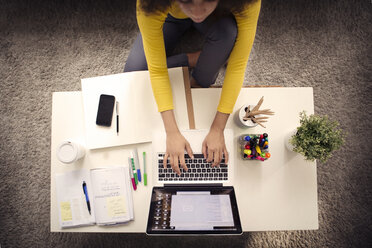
{"x": 203, "y": 202}
{"x": 99, "y": 196}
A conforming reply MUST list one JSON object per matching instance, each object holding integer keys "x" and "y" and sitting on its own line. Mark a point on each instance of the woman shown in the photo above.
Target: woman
{"x": 229, "y": 27}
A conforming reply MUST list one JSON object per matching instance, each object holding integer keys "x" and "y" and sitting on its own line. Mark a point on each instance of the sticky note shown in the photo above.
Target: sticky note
{"x": 66, "y": 214}
{"x": 116, "y": 206}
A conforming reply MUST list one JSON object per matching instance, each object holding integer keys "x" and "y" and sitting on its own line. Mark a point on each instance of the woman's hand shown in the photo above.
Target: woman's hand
{"x": 176, "y": 143}
{"x": 214, "y": 148}
{"x": 176, "y": 146}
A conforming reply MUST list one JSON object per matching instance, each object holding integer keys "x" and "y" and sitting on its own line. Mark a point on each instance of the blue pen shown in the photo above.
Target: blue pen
{"x": 86, "y": 195}
{"x": 136, "y": 162}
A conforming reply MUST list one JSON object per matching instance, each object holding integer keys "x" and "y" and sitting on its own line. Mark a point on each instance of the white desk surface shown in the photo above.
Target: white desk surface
{"x": 278, "y": 194}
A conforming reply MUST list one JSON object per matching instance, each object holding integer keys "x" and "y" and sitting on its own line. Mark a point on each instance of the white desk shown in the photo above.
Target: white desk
{"x": 68, "y": 123}
{"x": 279, "y": 194}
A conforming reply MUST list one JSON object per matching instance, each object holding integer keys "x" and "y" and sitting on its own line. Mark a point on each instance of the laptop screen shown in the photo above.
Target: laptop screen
{"x": 193, "y": 210}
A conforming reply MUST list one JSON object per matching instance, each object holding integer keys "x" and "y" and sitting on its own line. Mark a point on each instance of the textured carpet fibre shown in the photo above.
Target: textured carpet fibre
{"x": 48, "y": 46}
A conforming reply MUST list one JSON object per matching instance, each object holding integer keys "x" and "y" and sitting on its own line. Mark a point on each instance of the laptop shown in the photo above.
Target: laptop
{"x": 199, "y": 201}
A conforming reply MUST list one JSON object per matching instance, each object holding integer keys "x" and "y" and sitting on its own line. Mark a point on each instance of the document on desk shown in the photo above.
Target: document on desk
{"x": 200, "y": 211}
{"x": 102, "y": 196}
{"x": 112, "y": 195}
{"x": 138, "y": 111}
{"x": 72, "y": 204}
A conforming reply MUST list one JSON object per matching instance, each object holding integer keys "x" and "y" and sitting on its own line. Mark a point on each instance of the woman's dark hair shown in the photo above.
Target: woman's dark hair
{"x": 151, "y": 6}
{"x": 236, "y": 6}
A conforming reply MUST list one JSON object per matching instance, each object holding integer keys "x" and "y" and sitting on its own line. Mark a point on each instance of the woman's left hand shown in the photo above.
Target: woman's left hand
{"x": 214, "y": 148}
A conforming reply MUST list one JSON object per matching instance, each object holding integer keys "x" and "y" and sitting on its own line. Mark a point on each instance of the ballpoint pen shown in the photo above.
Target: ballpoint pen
{"x": 137, "y": 164}
{"x": 131, "y": 175}
{"x": 144, "y": 169}
{"x": 117, "y": 118}
{"x": 86, "y": 195}
{"x": 134, "y": 169}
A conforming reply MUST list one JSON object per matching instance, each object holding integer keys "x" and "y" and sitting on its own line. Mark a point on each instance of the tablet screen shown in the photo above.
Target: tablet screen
{"x": 193, "y": 210}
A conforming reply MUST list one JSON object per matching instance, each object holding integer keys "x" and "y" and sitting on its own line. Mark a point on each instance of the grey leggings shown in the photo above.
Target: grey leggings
{"x": 220, "y": 35}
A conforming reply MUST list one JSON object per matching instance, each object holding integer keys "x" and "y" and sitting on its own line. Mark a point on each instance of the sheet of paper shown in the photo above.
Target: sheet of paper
{"x": 112, "y": 200}
{"x": 116, "y": 206}
{"x": 73, "y": 209}
{"x": 200, "y": 211}
{"x": 66, "y": 213}
{"x": 138, "y": 112}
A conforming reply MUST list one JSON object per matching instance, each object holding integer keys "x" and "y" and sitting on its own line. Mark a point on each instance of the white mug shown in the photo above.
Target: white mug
{"x": 69, "y": 152}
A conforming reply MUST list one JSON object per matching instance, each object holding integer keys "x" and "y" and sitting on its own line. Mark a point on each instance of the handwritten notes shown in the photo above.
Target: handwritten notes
{"x": 116, "y": 206}
{"x": 66, "y": 214}
{"x": 112, "y": 195}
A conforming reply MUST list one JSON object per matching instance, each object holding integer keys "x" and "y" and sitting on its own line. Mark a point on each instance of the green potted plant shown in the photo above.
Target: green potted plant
{"x": 316, "y": 137}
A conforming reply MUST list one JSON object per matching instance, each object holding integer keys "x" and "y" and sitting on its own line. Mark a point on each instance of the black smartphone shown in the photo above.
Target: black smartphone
{"x": 105, "y": 110}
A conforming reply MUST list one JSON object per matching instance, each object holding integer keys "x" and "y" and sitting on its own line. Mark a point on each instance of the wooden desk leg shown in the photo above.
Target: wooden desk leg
{"x": 190, "y": 108}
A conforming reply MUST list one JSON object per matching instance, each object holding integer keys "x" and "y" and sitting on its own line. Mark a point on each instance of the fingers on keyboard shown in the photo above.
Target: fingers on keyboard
{"x": 175, "y": 166}
{"x": 196, "y": 169}
{"x": 216, "y": 158}
{"x": 226, "y": 153}
{"x": 165, "y": 161}
{"x": 183, "y": 163}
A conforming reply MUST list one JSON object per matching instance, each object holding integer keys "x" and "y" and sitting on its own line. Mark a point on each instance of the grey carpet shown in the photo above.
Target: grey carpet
{"x": 48, "y": 46}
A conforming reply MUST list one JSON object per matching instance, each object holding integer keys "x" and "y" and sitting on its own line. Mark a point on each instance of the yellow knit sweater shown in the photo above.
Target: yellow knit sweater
{"x": 151, "y": 27}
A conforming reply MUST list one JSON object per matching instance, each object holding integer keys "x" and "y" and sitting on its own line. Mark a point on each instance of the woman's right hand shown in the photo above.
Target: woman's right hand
{"x": 176, "y": 146}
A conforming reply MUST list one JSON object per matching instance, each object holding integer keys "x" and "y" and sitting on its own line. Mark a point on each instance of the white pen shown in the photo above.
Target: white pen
{"x": 136, "y": 162}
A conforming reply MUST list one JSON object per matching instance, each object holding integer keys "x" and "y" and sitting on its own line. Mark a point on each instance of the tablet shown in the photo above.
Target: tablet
{"x": 193, "y": 209}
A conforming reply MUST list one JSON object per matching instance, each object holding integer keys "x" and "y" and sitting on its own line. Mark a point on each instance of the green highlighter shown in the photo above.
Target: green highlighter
{"x": 134, "y": 170}
{"x": 144, "y": 169}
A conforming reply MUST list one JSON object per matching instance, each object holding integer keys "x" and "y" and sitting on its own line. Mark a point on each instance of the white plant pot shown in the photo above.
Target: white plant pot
{"x": 288, "y": 137}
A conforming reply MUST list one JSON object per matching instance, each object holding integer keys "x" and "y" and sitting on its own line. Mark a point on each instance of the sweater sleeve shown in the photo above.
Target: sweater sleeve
{"x": 151, "y": 28}
{"x": 234, "y": 76}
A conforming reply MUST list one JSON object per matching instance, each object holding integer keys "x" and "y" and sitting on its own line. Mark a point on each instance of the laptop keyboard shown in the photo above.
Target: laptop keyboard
{"x": 198, "y": 170}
